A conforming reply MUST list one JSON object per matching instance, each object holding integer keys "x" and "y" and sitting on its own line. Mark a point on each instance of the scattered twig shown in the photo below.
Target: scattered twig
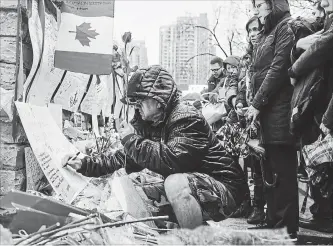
{"x": 30, "y": 236}
{"x": 147, "y": 238}
{"x": 120, "y": 223}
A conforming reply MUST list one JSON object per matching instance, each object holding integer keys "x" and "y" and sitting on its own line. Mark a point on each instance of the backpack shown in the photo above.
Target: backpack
{"x": 305, "y": 102}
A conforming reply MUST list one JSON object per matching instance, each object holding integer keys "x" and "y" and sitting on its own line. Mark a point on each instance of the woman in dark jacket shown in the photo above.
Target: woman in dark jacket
{"x": 272, "y": 90}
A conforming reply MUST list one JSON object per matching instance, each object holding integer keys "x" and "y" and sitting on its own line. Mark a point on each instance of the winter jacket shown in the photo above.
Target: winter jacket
{"x": 270, "y": 80}
{"x": 212, "y": 83}
{"x": 181, "y": 142}
{"x": 319, "y": 56}
{"x": 231, "y": 89}
{"x": 306, "y": 103}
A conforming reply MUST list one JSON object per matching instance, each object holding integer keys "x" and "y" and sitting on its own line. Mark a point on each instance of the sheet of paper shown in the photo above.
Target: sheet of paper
{"x": 109, "y": 97}
{"x": 48, "y": 77}
{"x": 6, "y": 100}
{"x": 96, "y": 97}
{"x": 50, "y": 146}
{"x": 36, "y": 36}
{"x": 56, "y": 112}
{"x": 71, "y": 91}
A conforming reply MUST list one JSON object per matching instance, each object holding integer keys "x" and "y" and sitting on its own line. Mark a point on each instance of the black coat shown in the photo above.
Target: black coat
{"x": 270, "y": 80}
{"x": 319, "y": 56}
{"x": 182, "y": 142}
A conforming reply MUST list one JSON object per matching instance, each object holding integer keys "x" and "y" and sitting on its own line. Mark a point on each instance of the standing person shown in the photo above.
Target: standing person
{"x": 173, "y": 139}
{"x": 271, "y": 104}
{"x": 318, "y": 55}
{"x": 217, "y": 69}
{"x": 244, "y": 98}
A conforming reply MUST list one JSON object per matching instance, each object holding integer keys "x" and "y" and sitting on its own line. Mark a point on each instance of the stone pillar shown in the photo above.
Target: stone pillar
{"x": 12, "y": 159}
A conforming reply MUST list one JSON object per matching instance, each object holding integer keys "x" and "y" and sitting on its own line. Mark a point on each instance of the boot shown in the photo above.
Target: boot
{"x": 257, "y": 216}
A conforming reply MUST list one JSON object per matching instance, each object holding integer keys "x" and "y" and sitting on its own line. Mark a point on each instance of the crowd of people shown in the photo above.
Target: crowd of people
{"x": 285, "y": 55}
{"x": 202, "y": 180}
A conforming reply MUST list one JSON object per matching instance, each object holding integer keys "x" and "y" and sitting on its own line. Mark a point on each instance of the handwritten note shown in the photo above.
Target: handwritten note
{"x": 48, "y": 77}
{"x": 96, "y": 96}
{"x": 71, "y": 91}
{"x": 50, "y": 146}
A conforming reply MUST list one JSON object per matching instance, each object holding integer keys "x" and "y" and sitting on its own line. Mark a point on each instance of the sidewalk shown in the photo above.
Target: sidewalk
{"x": 305, "y": 236}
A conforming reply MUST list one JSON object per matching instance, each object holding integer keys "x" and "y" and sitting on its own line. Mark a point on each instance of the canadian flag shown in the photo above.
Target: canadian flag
{"x": 85, "y": 38}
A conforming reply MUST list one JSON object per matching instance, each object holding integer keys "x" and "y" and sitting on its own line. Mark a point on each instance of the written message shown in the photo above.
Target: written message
{"x": 50, "y": 146}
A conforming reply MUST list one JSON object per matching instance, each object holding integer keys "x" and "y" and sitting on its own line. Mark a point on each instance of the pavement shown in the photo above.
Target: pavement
{"x": 305, "y": 236}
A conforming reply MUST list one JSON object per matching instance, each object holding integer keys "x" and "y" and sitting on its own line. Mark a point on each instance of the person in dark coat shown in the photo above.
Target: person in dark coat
{"x": 243, "y": 99}
{"x": 174, "y": 140}
{"x": 271, "y": 104}
{"x": 318, "y": 55}
{"x": 217, "y": 69}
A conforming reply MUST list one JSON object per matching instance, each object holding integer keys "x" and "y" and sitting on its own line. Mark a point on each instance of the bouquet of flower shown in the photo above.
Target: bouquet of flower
{"x": 234, "y": 139}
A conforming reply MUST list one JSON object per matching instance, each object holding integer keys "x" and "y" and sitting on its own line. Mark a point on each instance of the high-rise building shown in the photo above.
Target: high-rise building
{"x": 138, "y": 56}
{"x": 180, "y": 47}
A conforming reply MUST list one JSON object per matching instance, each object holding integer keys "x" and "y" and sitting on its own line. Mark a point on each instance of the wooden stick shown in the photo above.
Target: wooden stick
{"x": 69, "y": 226}
{"x": 73, "y": 224}
{"x": 120, "y": 223}
{"x": 39, "y": 232}
{"x": 146, "y": 239}
{"x": 83, "y": 219}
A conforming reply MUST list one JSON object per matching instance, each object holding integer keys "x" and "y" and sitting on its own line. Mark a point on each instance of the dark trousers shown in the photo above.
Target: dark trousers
{"x": 258, "y": 192}
{"x": 282, "y": 200}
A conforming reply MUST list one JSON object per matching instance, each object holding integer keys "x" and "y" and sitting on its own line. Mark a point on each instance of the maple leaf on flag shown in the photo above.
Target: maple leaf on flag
{"x": 84, "y": 32}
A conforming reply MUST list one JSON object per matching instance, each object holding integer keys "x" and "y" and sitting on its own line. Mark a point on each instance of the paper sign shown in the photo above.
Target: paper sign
{"x": 50, "y": 146}
{"x": 36, "y": 36}
{"x": 96, "y": 97}
{"x": 56, "y": 112}
{"x": 48, "y": 77}
{"x": 109, "y": 97}
{"x": 6, "y": 102}
{"x": 71, "y": 91}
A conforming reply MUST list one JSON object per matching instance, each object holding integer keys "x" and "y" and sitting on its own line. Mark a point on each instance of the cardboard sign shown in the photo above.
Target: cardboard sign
{"x": 50, "y": 146}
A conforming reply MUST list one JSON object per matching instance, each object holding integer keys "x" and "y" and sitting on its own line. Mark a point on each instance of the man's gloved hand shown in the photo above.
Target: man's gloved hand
{"x": 125, "y": 129}
{"x": 74, "y": 161}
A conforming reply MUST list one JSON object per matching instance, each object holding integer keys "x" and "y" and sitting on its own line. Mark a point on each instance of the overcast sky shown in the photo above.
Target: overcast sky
{"x": 144, "y": 18}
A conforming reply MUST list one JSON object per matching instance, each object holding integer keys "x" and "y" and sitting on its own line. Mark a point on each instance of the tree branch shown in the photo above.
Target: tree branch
{"x": 217, "y": 19}
{"x": 202, "y": 54}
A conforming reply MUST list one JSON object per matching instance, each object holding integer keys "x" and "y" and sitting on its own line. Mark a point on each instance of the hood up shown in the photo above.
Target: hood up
{"x": 152, "y": 82}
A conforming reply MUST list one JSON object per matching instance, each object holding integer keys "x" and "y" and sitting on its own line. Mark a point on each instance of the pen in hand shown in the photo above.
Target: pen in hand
{"x": 71, "y": 159}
